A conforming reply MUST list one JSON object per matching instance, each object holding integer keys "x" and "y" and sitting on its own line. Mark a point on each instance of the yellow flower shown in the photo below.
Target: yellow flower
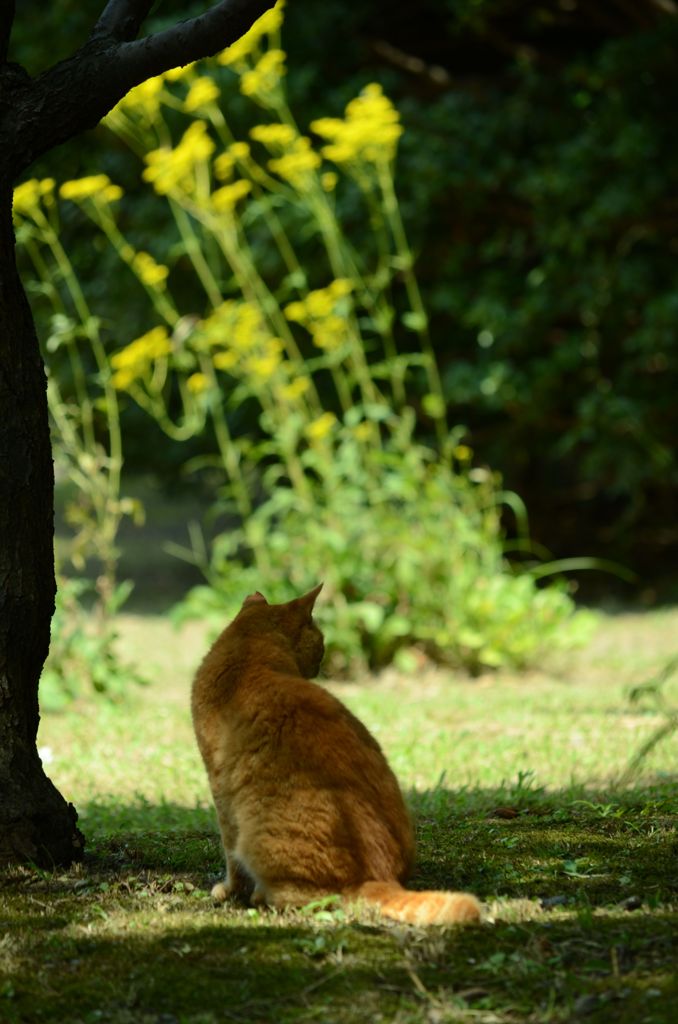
{"x": 295, "y": 311}
{"x": 197, "y": 383}
{"x": 328, "y": 180}
{"x": 462, "y": 452}
{"x": 224, "y": 199}
{"x": 318, "y": 312}
{"x": 322, "y": 301}
{"x": 237, "y": 324}
{"x": 111, "y": 193}
{"x": 273, "y": 135}
{"x": 94, "y": 186}
{"x": 144, "y": 99}
{"x": 264, "y": 365}
{"x": 318, "y": 429}
{"x": 297, "y": 165}
{"x": 135, "y": 359}
{"x": 267, "y": 24}
{"x": 341, "y": 286}
{"x": 152, "y": 345}
{"x": 239, "y": 150}
{"x": 172, "y": 170}
{"x": 123, "y": 379}
{"x": 225, "y": 360}
{"x": 202, "y": 92}
{"x": 217, "y": 326}
{"x": 363, "y": 431}
{"x": 369, "y": 132}
{"x": 29, "y": 195}
{"x": 175, "y": 74}
{"x": 223, "y": 166}
{"x": 247, "y": 327}
{"x": 150, "y": 273}
{"x": 294, "y": 389}
{"x": 244, "y": 345}
{"x": 328, "y": 333}
{"x": 262, "y": 81}
{"x": 319, "y": 303}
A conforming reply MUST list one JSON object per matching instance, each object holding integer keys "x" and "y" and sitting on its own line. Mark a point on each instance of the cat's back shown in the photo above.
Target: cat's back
{"x": 216, "y": 678}
{"x": 255, "y": 714}
{"x": 302, "y": 720}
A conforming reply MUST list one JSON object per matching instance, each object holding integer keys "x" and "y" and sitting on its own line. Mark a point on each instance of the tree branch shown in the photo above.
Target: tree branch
{"x": 122, "y": 19}
{"x": 187, "y": 41}
{"x": 77, "y": 93}
{"x": 6, "y": 22}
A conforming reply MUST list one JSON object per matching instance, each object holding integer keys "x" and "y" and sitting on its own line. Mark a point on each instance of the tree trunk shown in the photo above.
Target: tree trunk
{"x": 36, "y": 823}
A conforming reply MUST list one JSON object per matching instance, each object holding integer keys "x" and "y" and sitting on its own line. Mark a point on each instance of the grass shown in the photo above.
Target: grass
{"x": 512, "y": 783}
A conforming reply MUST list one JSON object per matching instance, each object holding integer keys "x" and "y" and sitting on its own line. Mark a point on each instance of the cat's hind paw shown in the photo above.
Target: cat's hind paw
{"x": 258, "y": 898}
{"x": 219, "y": 893}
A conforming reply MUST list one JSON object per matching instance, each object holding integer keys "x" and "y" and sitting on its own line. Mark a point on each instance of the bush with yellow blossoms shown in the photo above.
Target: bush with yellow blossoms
{"x": 348, "y": 470}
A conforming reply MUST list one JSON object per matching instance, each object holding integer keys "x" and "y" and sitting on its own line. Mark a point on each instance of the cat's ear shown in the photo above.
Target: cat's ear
{"x": 308, "y": 600}
{"x": 255, "y": 598}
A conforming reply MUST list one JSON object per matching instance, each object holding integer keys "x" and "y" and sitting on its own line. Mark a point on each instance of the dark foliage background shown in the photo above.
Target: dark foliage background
{"x": 538, "y": 178}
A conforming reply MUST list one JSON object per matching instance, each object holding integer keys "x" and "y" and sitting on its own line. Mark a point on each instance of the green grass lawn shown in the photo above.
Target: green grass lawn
{"x": 513, "y": 781}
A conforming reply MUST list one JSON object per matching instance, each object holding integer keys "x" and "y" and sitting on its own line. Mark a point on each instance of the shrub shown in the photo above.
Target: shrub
{"x": 304, "y": 371}
{"x": 83, "y": 658}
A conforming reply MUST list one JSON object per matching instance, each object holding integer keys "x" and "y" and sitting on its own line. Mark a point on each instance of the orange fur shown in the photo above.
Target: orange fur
{"x": 306, "y": 802}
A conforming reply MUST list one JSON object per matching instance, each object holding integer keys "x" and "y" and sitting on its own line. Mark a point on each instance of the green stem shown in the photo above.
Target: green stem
{"x": 414, "y": 297}
{"x": 161, "y": 303}
{"x": 380, "y": 317}
{"x": 194, "y": 251}
{"x": 227, "y": 448}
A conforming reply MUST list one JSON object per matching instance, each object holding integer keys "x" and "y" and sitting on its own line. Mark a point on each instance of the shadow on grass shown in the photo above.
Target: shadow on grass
{"x": 584, "y": 847}
{"x": 580, "y": 887}
{"x": 217, "y": 968}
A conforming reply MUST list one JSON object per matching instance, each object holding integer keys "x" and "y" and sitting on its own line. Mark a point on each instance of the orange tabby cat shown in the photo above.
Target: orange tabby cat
{"x": 307, "y": 804}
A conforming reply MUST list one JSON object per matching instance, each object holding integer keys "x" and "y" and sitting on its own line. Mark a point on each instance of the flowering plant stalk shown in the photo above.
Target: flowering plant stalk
{"x": 329, "y": 342}
{"x": 84, "y": 408}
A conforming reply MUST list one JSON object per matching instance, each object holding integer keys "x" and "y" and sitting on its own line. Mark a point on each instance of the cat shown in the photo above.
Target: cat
{"x": 307, "y": 804}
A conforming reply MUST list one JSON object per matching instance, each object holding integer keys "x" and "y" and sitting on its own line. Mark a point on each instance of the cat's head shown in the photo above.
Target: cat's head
{"x": 293, "y": 621}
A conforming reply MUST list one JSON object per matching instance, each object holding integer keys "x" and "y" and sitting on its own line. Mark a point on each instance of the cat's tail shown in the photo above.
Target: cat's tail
{"x": 420, "y": 907}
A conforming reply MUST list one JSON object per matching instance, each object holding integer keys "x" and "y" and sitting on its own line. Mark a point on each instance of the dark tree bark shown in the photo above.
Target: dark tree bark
{"x": 36, "y": 823}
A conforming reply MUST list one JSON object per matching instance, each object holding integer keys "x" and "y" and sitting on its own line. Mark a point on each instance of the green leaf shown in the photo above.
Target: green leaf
{"x": 370, "y": 614}
{"x": 433, "y": 406}
{"x": 414, "y": 321}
